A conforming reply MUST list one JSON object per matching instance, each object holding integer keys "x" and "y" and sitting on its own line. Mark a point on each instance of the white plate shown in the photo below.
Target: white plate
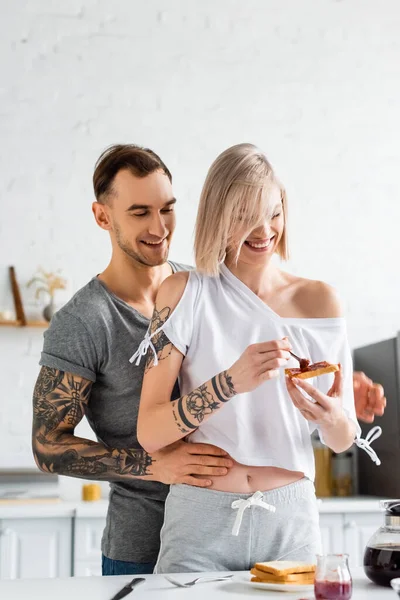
{"x": 276, "y": 587}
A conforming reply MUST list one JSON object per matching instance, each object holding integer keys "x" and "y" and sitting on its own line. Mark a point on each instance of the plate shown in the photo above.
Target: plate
{"x": 276, "y": 587}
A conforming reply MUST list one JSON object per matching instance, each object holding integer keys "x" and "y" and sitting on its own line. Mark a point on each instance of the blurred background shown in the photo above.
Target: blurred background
{"x": 314, "y": 83}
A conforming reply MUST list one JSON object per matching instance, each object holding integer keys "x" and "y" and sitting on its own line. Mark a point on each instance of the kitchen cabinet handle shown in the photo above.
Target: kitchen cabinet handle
{"x": 350, "y": 525}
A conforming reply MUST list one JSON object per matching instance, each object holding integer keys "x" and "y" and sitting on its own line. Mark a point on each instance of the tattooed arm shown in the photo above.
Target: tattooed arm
{"x": 162, "y": 422}
{"x": 59, "y": 401}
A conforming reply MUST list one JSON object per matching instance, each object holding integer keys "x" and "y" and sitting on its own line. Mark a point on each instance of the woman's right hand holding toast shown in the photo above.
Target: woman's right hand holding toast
{"x": 258, "y": 363}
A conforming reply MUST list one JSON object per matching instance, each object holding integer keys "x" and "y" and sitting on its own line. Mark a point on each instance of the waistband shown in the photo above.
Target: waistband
{"x": 283, "y": 495}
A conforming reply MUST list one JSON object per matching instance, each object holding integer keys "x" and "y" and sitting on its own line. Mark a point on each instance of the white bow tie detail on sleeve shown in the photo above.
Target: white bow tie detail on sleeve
{"x": 144, "y": 345}
{"x": 242, "y": 504}
{"x": 365, "y": 444}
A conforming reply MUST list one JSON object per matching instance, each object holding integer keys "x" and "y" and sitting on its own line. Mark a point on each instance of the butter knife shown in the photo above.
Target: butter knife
{"x": 128, "y": 588}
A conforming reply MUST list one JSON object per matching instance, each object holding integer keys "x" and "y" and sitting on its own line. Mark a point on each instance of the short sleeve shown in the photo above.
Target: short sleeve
{"x": 179, "y": 326}
{"x": 68, "y": 346}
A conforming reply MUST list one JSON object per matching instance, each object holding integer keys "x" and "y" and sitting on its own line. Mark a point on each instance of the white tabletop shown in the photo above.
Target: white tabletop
{"x": 157, "y": 588}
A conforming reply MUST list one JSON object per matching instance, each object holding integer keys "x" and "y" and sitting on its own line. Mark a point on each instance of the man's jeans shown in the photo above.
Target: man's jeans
{"x": 121, "y": 567}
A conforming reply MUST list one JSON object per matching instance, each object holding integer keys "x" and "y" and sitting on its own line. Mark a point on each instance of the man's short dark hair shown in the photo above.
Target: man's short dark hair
{"x": 139, "y": 161}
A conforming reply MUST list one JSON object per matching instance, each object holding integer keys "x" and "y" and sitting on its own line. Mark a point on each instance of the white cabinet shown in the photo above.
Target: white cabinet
{"x": 87, "y": 568}
{"x": 68, "y": 540}
{"x": 87, "y": 545}
{"x": 35, "y": 547}
{"x": 331, "y": 526}
{"x": 349, "y": 533}
{"x": 357, "y": 531}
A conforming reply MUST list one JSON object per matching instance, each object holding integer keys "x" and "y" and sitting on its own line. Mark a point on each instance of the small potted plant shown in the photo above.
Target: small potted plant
{"x": 47, "y": 283}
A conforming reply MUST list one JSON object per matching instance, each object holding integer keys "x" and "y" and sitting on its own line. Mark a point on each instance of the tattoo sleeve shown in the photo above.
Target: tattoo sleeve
{"x": 190, "y": 411}
{"x": 59, "y": 402}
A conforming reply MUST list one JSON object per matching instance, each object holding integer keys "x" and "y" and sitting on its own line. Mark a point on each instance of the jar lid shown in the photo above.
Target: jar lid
{"x": 392, "y": 507}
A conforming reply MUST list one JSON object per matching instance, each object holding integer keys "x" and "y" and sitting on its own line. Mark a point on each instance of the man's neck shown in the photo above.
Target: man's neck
{"x": 134, "y": 283}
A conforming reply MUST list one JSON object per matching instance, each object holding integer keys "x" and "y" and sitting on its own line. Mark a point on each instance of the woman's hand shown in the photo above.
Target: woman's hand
{"x": 258, "y": 363}
{"x": 323, "y": 409}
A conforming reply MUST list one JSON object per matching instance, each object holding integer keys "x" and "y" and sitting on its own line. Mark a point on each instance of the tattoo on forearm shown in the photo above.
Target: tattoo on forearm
{"x": 179, "y": 424}
{"x": 59, "y": 402}
{"x": 201, "y": 402}
{"x": 160, "y": 341}
{"x": 182, "y": 415}
{"x": 223, "y": 386}
{"x": 90, "y": 460}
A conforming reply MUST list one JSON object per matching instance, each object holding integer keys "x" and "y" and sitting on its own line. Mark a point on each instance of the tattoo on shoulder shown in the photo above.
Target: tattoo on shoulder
{"x": 160, "y": 341}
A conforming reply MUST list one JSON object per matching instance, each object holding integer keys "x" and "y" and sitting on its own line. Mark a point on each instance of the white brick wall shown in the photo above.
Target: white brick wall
{"x": 314, "y": 82}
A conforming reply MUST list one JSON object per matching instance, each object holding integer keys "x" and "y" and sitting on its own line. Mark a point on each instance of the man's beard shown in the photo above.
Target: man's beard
{"x": 136, "y": 256}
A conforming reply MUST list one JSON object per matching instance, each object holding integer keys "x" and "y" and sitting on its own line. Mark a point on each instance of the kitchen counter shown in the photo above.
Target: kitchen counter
{"x": 61, "y": 508}
{"x": 103, "y": 588}
{"x": 98, "y": 509}
{"x": 354, "y": 504}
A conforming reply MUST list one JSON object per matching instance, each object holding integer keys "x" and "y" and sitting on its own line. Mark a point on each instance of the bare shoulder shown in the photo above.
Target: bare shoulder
{"x": 317, "y": 299}
{"x": 171, "y": 290}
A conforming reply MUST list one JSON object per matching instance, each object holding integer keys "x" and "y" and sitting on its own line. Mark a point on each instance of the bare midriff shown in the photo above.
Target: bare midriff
{"x": 243, "y": 479}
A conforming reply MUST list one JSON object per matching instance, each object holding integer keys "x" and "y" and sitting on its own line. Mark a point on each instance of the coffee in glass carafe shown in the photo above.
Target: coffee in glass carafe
{"x": 382, "y": 554}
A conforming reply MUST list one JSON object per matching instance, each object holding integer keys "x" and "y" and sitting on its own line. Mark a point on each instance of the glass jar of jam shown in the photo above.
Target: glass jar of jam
{"x": 382, "y": 554}
{"x": 332, "y": 577}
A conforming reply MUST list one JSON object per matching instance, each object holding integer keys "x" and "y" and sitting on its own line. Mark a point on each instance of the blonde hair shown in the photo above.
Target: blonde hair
{"x": 233, "y": 202}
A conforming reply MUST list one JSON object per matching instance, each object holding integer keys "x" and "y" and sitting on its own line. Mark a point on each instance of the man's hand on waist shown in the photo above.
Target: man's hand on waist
{"x": 182, "y": 462}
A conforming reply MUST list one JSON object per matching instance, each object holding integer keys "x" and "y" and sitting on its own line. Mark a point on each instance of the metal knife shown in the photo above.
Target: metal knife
{"x": 128, "y": 588}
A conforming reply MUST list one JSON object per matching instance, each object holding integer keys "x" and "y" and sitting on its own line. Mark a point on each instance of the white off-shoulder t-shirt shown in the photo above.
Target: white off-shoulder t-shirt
{"x": 213, "y": 323}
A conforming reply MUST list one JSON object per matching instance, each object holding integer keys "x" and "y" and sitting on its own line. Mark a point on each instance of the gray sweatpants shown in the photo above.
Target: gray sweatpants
{"x": 198, "y": 523}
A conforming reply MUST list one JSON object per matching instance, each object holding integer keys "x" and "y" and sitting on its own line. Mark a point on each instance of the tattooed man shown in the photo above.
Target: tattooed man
{"x": 85, "y": 368}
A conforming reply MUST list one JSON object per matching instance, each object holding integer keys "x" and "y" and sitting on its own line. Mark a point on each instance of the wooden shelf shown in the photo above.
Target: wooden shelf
{"x": 17, "y": 323}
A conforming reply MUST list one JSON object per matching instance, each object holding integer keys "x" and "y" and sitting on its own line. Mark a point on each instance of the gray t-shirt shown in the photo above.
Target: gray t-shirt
{"x": 93, "y": 336}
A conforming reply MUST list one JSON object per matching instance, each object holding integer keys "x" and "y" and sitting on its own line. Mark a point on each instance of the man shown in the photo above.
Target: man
{"x": 85, "y": 368}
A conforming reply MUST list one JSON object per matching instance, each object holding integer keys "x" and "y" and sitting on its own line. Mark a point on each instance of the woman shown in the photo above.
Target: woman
{"x": 226, "y": 331}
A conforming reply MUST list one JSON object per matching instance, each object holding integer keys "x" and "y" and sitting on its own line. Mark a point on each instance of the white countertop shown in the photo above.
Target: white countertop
{"x": 103, "y": 588}
{"x": 98, "y": 509}
{"x": 356, "y": 504}
{"x": 61, "y": 508}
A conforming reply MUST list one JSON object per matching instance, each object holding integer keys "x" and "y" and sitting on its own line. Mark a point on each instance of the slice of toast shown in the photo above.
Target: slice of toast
{"x": 302, "y": 582}
{"x": 285, "y": 567}
{"x": 291, "y": 577}
{"x": 313, "y": 370}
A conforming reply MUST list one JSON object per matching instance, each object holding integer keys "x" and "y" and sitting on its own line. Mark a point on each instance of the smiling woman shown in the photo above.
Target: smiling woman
{"x": 226, "y": 329}
{"x": 240, "y": 195}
